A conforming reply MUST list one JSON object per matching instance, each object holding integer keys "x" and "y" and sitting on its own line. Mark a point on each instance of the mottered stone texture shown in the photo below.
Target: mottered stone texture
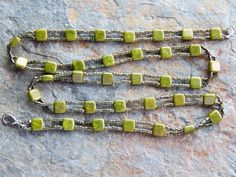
{"x": 209, "y": 152}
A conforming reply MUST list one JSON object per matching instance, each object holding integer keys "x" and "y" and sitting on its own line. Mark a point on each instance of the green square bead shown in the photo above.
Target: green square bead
{"x": 120, "y": 105}
{"x": 90, "y": 107}
{"x": 47, "y": 78}
{"x": 158, "y": 35}
{"x": 21, "y": 62}
{"x": 195, "y": 82}
{"x": 129, "y": 36}
{"x": 129, "y": 125}
{"x": 41, "y": 35}
{"x": 68, "y": 124}
{"x": 50, "y": 67}
{"x": 209, "y": 99}
{"x": 215, "y": 116}
{"x": 59, "y": 107}
{"x": 189, "y": 129}
{"x": 108, "y": 60}
{"x": 78, "y": 65}
{"x": 137, "y": 54}
{"x": 71, "y": 34}
{"x": 37, "y": 124}
{"x": 216, "y": 34}
{"x": 195, "y": 50}
{"x": 214, "y": 66}
{"x": 34, "y": 94}
{"x": 166, "y": 52}
{"x": 150, "y": 103}
{"x": 136, "y": 78}
{"x": 158, "y": 129}
{"x": 165, "y": 81}
{"x": 15, "y": 41}
{"x": 98, "y": 124}
{"x": 107, "y": 78}
{"x": 77, "y": 76}
{"x": 187, "y": 34}
{"x": 179, "y": 99}
{"x": 100, "y": 35}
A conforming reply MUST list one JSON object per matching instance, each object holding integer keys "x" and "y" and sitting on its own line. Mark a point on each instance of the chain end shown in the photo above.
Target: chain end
{"x": 229, "y": 32}
{"x": 9, "y": 119}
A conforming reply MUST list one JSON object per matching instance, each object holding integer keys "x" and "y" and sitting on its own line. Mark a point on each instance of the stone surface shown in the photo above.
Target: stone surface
{"x": 209, "y": 152}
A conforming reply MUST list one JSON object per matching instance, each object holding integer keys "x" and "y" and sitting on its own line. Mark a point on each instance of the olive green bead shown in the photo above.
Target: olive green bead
{"x": 100, "y": 35}
{"x": 158, "y": 35}
{"x": 70, "y": 35}
{"x": 216, "y": 34}
{"x": 98, "y": 124}
{"x": 195, "y": 83}
{"x": 68, "y": 124}
{"x": 150, "y": 103}
{"x": 187, "y": 34}
{"x": 21, "y": 62}
{"x": 37, "y": 124}
{"x": 137, "y": 54}
{"x": 77, "y": 76}
{"x": 47, "y": 78}
{"x": 90, "y": 107}
{"x": 108, "y": 60}
{"x": 209, "y": 99}
{"x": 158, "y": 129}
{"x": 119, "y": 105}
{"x": 165, "y": 81}
{"x": 15, "y": 41}
{"x": 215, "y": 116}
{"x": 179, "y": 99}
{"x": 107, "y": 78}
{"x": 195, "y": 50}
{"x": 34, "y": 95}
{"x": 50, "y": 67}
{"x": 136, "y": 78}
{"x": 129, "y": 36}
{"x": 166, "y": 52}
{"x": 189, "y": 129}
{"x": 129, "y": 125}
{"x": 78, "y": 65}
{"x": 41, "y": 35}
{"x": 59, "y": 107}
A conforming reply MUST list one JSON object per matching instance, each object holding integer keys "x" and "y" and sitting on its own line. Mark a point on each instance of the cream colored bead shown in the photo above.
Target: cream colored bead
{"x": 21, "y": 62}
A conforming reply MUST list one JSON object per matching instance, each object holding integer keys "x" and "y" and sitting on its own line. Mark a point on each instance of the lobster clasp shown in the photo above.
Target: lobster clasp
{"x": 9, "y": 119}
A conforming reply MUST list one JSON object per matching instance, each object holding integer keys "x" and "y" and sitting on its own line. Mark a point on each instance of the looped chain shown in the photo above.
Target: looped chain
{"x": 85, "y": 72}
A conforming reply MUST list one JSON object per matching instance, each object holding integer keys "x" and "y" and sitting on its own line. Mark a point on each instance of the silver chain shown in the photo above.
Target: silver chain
{"x": 64, "y": 74}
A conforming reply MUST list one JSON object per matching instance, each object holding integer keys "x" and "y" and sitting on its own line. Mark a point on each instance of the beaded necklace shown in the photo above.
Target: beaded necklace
{"x": 84, "y": 72}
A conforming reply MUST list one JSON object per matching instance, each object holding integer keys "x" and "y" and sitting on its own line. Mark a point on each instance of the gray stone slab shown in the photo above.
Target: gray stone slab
{"x": 210, "y": 152}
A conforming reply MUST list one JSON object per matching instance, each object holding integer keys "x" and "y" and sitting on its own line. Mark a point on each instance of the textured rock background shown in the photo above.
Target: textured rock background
{"x": 210, "y": 152}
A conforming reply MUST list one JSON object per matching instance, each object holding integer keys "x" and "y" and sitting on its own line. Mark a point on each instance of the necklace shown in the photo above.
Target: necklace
{"x": 84, "y": 71}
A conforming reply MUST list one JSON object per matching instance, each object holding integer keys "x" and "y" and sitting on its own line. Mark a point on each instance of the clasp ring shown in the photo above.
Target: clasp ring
{"x": 9, "y": 119}
{"x": 229, "y": 31}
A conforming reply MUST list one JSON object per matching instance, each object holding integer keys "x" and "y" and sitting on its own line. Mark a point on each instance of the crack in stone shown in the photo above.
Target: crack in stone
{"x": 39, "y": 54}
{"x": 231, "y": 46}
{"x": 53, "y": 93}
{"x": 116, "y": 3}
{"x": 170, "y": 17}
